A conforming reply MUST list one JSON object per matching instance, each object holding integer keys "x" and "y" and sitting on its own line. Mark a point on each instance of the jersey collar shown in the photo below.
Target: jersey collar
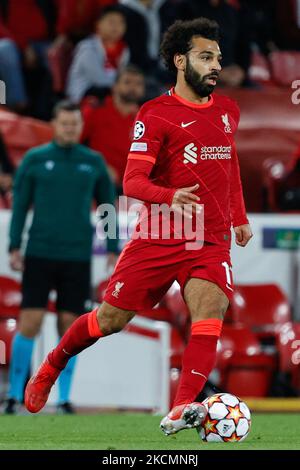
{"x": 189, "y": 103}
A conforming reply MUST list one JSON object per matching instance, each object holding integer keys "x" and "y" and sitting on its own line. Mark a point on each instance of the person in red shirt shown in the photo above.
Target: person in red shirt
{"x": 115, "y": 116}
{"x": 182, "y": 155}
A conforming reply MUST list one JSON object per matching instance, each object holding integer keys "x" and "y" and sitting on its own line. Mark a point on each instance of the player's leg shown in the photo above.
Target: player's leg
{"x": 84, "y": 332}
{"x": 207, "y": 304}
{"x": 73, "y": 286}
{"x": 128, "y": 291}
{"x": 36, "y": 284}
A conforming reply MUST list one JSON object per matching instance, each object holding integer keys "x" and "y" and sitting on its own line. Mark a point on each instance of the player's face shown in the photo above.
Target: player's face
{"x": 202, "y": 66}
{"x": 130, "y": 87}
{"x": 67, "y": 127}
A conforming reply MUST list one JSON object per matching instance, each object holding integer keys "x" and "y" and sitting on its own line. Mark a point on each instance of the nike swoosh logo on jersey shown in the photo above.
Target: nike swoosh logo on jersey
{"x": 186, "y": 124}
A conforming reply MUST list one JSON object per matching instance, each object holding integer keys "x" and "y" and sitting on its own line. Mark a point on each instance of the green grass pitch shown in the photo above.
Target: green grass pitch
{"x": 135, "y": 431}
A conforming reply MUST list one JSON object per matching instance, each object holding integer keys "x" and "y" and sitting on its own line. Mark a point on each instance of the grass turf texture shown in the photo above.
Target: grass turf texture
{"x": 135, "y": 431}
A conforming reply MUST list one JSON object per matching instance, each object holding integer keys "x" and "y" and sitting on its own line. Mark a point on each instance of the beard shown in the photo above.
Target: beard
{"x": 197, "y": 82}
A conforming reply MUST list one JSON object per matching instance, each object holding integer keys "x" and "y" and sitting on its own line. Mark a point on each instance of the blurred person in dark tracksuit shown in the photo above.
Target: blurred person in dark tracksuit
{"x": 59, "y": 181}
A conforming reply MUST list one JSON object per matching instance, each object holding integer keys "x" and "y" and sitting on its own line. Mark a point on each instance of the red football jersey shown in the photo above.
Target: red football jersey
{"x": 191, "y": 143}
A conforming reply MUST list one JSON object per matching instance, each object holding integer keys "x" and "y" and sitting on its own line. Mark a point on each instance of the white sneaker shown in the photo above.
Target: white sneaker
{"x": 186, "y": 416}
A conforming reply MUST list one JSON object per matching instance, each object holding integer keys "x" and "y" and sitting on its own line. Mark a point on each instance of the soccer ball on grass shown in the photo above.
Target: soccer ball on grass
{"x": 228, "y": 419}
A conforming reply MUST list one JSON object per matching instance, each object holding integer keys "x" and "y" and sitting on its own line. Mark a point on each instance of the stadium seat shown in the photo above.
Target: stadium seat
{"x": 236, "y": 339}
{"x": 10, "y": 297}
{"x": 269, "y": 128}
{"x": 264, "y": 308}
{"x": 8, "y": 327}
{"x": 285, "y": 67}
{"x": 259, "y": 70}
{"x": 282, "y": 183}
{"x": 250, "y": 376}
{"x": 245, "y": 370}
{"x": 288, "y": 346}
{"x": 22, "y": 133}
{"x": 274, "y": 172}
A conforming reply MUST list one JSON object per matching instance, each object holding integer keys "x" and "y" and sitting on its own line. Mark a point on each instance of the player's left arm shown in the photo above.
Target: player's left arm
{"x": 239, "y": 219}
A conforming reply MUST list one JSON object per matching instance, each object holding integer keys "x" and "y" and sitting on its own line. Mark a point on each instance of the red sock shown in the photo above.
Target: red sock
{"x": 82, "y": 333}
{"x": 198, "y": 359}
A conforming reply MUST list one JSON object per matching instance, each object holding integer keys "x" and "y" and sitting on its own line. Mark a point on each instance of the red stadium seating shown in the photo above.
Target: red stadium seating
{"x": 279, "y": 178}
{"x": 259, "y": 70}
{"x": 269, "y": 128}
{"x": 251, "y": 376}
{"x": 264, "y": 308}
{"x": 22, "y": 133}
{"x": 288, "y": 346}
{"x": 285, "y": 66}
{"x": 245, "y": 370}
{"x": 10, "y": 297}
{"x": 274, "y": 171}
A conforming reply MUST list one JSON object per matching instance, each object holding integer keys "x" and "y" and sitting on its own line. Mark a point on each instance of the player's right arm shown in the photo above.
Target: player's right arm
{"x": 149, "y": 136}
{"x": 22, "y": 199}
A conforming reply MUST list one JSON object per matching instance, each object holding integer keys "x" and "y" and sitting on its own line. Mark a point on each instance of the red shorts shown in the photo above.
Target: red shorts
{"x": 145, "y": 271}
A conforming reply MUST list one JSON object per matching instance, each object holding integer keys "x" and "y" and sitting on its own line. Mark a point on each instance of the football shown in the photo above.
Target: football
{"x": 228, "y": 419}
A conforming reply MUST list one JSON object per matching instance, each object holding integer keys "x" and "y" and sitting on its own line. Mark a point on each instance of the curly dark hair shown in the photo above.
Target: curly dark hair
{"x": 177, "y": 38}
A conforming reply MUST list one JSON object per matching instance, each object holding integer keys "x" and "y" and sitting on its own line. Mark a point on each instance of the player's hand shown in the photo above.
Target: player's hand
{"x": 185, "y": 196}
{"x": 243, "y": 233}
{"x": 16, "y": 261}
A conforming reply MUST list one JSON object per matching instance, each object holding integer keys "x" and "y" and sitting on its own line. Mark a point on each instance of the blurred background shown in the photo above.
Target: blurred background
{"x": 104, "y": 55}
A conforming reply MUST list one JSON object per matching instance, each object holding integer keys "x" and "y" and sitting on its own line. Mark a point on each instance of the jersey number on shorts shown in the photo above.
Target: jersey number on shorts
{"x": 228, "y": 272}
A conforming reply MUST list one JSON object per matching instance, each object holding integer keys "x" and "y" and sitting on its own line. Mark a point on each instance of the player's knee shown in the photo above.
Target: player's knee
{"x": 112, "y": 320}
{"x": 212, "y": 310}
{"x": 30, "y": 323}
{"x": 112, "y": 325}
{"x": 224, "y": 307}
